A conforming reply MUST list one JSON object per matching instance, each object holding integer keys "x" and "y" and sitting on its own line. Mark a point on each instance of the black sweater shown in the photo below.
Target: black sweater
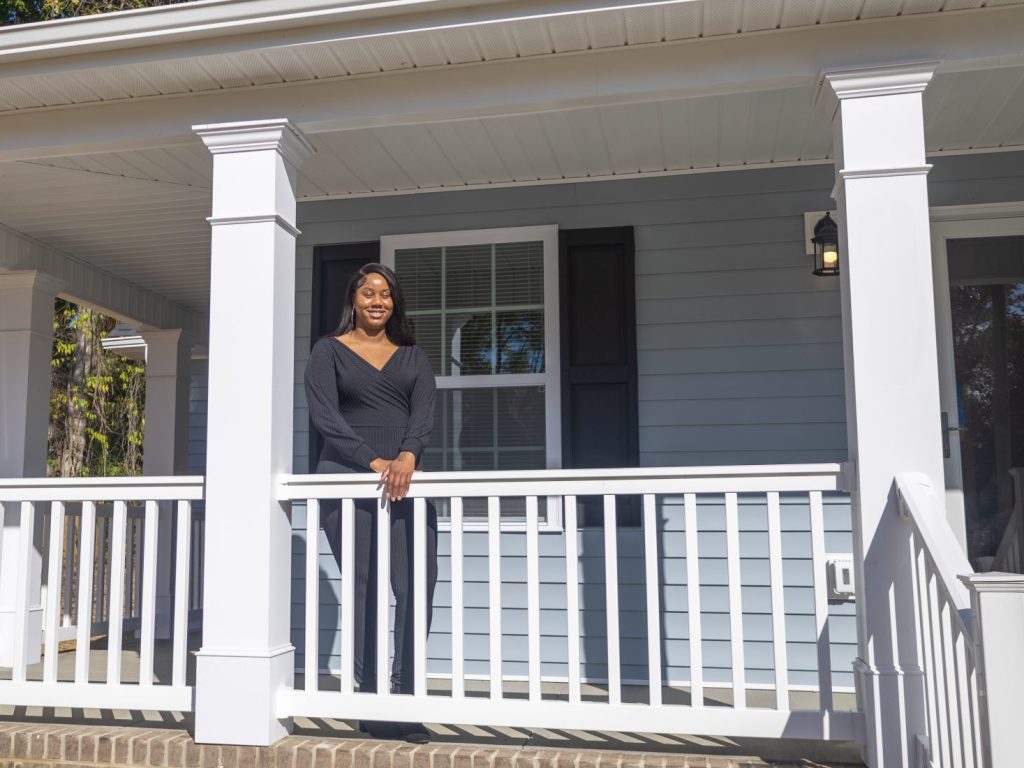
{"x": 365, "y": 414}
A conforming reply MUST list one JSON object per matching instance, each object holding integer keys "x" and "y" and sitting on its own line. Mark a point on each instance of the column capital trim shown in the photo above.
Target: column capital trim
{"x": 258, "y": 218}
{"x": 256, "y": 136}
{"x": 994, "y": 582}
{"x": 35, "y": 280}
{"x": 881, "y": 81}
{"x": 844, "y": 175}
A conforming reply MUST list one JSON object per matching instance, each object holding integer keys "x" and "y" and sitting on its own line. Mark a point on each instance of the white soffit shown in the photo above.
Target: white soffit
{"x": 527, "y": 34}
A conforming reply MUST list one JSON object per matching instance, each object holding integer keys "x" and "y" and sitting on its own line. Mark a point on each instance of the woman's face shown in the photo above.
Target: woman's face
{"x": 372, "y": 303}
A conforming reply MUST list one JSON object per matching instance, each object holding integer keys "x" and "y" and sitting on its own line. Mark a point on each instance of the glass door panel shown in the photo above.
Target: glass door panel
{"x": 986, "y": 278}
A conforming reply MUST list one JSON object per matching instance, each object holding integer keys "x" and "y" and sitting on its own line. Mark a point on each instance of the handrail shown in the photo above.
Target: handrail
{"x": 919, "y": 506}
{"x": 547, "y": 482}
{"x": 154, "y": 488}
{"x": 946, "y": 636}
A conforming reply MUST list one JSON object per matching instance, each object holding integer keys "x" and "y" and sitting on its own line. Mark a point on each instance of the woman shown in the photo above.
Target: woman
{"x": 371, "y": 391}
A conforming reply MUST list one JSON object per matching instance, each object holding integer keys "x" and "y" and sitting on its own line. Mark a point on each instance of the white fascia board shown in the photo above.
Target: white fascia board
{"x": 636, "y": 74}
{"x": 223, "y": 26}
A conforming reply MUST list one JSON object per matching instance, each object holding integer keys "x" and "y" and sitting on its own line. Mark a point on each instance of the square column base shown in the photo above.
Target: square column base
{"x": 236, "y": 695}
{"x": 9, "y": 630}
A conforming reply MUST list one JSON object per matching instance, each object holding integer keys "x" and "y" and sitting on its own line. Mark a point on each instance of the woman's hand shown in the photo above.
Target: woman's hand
{"x": 398, "y": 476}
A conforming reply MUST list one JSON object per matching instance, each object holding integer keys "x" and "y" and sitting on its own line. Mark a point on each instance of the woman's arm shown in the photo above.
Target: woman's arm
{"x": 322, "y": 397}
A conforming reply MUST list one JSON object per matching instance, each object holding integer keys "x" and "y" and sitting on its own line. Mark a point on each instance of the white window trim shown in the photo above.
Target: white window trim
{"x": 550, "y": 379}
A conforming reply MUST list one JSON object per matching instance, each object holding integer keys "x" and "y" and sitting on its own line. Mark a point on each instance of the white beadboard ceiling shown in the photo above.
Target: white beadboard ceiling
{"x": 142, "y": 214}
{"x": 451, "y": 45}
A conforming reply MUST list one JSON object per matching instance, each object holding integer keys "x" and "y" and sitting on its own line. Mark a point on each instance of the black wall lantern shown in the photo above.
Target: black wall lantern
{"x": 826, "y": 246}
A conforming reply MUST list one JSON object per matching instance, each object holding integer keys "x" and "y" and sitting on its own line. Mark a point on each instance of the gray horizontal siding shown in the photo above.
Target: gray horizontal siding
{"x": 197, "y": 417}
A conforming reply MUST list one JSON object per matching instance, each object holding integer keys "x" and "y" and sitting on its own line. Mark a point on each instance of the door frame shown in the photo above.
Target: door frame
{"x": 956, "y": 222}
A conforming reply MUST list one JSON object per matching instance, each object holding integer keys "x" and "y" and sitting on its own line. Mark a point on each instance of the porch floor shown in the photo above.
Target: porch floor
{"x": 529, "y": 748}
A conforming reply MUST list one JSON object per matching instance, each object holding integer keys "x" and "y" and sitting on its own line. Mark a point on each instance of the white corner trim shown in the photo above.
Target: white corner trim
{"x": 256, "y": 136}
{"x": 881, "y": 81}
{"x": 265, "y": 218}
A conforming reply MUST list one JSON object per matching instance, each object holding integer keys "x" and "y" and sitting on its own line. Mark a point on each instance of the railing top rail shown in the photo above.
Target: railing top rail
{"x": 920, "y": 506}
{"x": 557, "y": 482}
{"x": 186, "y": 487}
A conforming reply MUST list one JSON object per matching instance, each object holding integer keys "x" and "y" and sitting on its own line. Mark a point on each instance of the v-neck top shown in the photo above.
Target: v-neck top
{"x": 365, "y": 413}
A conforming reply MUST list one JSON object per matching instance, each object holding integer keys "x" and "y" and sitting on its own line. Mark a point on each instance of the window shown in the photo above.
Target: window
{"x": 485, "y": 308}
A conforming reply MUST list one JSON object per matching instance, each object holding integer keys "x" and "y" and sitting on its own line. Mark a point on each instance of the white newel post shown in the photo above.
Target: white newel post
{"x": 997, "y": 604}
{"x": 26, "y": 347}
{"x": 892, "y": 393}
{"x": 246, "y": 657}
{"x": 165, "y": 443}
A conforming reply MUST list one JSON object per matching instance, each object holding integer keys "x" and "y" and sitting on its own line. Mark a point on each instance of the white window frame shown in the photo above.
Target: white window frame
{"x": 550, "y": 379}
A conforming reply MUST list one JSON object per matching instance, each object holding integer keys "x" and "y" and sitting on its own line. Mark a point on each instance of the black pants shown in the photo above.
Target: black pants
{"x": 364, "y": 645}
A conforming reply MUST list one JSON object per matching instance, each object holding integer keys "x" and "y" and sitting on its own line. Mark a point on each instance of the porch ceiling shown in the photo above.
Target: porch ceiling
{"x": 141, "y": 214}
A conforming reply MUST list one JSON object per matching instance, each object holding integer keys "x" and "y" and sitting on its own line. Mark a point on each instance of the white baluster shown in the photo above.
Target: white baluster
{"x": 419, "y": 596}
{"x": 611, "y": 592}
{"x": 182, "y": 589}
{"x": 458, "y": 671}
{"x": 572, "y": 598}
{"x": 821, "y": 605}
{"x": 778, "y": 603}
{"x": 693, "y": 602}
{"x": 115, "y": 623}
{"x": 312, "y": 671}
{"x": 383, "y": 597}
{"x": 23, "y": 597}
{"x": 348, "y": 593}
{"x": 732, "y": 539}
{"x": 653, "y": 585}
{"x": 494, "y": 589}
{"x": 533, "y": 597}
{"x": 85, "y": 567}
{"x": 53, "y": 590}
{"x": 148, "y": 594}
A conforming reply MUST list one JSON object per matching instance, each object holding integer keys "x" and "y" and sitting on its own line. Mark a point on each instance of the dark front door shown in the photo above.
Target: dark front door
{"x": 599, "y": 371}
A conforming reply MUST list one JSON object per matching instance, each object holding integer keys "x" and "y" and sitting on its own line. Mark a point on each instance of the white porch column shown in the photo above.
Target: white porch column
{"x": 26, "y": 347}
{"x": 165, "y": 442}
{"x": 892, "y": 393}
{"x": 246, "y": 655}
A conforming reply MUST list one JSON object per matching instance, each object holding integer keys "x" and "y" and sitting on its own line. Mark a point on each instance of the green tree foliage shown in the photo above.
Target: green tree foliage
{"x": 21, "y": 11}
{"x": 96, "y": 400}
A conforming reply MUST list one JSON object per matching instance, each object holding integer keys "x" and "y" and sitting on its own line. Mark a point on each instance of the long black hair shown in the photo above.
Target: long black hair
{"x": 398, "y": 329}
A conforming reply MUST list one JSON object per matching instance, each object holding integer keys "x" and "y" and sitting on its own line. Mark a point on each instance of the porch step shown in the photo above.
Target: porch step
{"x": 25, "y": 745}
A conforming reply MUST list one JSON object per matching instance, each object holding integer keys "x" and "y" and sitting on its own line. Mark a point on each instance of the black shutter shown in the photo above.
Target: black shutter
{"x": 599, "y": 368}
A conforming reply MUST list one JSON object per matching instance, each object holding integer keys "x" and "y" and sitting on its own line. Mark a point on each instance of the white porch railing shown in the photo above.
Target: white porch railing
{"x": 698, "y": 706}
{"x": 99, "y": 541}
{"x": 945, "y": 635}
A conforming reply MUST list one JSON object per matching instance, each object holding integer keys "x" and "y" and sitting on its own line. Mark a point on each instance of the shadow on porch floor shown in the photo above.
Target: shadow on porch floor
{"x": 613, "y": 748}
